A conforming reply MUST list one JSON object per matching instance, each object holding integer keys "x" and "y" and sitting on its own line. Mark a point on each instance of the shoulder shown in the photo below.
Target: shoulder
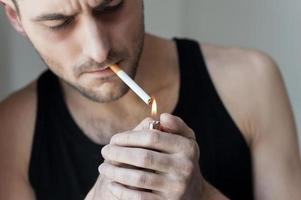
{"x": 17, "y": 119}
{"x": 246, "y": 68}
{"x": 246, "y": 80}
{"x": 19, "y": 107}
{"x": 251, "y": 87}
{"x": 238, "y": 60}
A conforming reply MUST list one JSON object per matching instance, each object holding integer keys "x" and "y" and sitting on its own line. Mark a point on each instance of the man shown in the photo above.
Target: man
{"x": 236, "y": 139}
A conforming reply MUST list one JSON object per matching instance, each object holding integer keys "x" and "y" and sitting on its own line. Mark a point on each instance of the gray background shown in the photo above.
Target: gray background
{"x": 273, "y": 26}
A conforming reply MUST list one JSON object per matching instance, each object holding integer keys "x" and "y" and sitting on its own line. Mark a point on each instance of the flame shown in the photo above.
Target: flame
{"x": 154, "y": 107}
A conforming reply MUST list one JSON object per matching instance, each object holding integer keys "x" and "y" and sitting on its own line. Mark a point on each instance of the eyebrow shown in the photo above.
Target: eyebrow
{"x": 50, "y": 17}
{"x": 59, "y": 16}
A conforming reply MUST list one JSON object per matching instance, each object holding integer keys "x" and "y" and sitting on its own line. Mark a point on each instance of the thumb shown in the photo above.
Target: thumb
{"x": 174, "y": 124}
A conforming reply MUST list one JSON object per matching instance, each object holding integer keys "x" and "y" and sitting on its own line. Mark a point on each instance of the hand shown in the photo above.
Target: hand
{"x": 154, "y": 165}
{"x": 100, "y": 190}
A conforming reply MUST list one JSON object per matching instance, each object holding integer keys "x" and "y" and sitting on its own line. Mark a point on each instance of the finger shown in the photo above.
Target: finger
{"x": 123, "y": 193}
{"x": 138, "y": 157}
{"x": 174, "y": 124}
{"x": 153, "y": 139}
{"x": 144, "y": 124}
{"x": 135, "y": 177}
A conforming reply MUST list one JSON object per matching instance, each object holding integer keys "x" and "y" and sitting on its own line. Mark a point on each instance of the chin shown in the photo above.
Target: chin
{"x": 106, "y": 93}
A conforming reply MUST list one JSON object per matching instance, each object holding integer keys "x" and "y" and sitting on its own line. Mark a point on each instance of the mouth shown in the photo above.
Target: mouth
{"x": 98, "y": 70}
{"x": 101, "y": 72}
{"x": 103, "y": 68}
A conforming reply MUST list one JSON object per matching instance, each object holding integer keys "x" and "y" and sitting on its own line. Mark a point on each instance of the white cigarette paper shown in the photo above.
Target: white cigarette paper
{"x": 131, "y": 84}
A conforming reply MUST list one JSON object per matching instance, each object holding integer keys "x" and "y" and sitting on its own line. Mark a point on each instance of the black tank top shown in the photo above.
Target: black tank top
{"x": 64, "y": 161}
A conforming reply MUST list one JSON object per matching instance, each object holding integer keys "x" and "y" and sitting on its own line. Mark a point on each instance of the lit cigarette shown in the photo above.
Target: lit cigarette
{"x": 131, "y": 83}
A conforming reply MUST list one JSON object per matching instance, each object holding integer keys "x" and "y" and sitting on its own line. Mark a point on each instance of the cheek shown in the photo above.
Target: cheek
{"x": 129, "y": 30}
{"x": 59, "y": 63}
{"x": 58, "y": 55}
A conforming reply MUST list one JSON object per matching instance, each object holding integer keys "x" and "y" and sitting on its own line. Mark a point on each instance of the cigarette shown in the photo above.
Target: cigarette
{"x": 131, "y": 84}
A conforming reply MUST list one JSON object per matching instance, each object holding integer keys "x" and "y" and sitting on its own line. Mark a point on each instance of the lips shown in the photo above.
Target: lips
{"x": 99, "y": 70}
{"x": 99, "y": 73}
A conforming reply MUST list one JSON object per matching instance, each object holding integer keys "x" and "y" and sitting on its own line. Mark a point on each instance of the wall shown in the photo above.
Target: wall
{"x": 19, "y": 63}
{"x": 273, "y": 26}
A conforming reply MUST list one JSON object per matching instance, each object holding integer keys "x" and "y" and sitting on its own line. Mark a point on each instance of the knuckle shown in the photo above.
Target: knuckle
{"x": 192, "y": 149}
{"x": 138, "y": 196}
{"x": 153, "y": 138}
{"x": 127, "y": 138}
{"x": 148, "y": 159}
{"x": 142, "y": 180}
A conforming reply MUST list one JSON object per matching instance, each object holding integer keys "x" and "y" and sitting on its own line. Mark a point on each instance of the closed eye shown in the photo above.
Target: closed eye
{"x": 109, "y": 7}
{"x": 62, "y": 25}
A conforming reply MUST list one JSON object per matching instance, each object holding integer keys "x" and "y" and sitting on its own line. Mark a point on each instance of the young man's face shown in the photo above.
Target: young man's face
{"x": 76, "y": 38}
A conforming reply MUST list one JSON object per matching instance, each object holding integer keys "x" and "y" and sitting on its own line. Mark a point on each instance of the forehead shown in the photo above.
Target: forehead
{"x": 62, "y": 6}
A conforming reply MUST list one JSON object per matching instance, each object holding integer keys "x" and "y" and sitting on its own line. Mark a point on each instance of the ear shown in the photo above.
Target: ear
{"x": 13, "y": 16}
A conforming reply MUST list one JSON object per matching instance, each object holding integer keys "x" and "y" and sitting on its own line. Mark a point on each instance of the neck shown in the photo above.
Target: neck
{"x": 152, "y": 75}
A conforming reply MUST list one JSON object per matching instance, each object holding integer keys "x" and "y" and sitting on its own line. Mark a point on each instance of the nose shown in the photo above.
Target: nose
{"x": 95, "y": 41}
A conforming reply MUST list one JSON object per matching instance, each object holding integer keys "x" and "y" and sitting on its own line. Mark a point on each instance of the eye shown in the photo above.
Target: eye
{"x": 109, "y": 7}
{"x": 61, "y": 26}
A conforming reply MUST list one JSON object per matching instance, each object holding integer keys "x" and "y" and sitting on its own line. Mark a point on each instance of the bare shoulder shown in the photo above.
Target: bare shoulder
{"x": 17, "y": 119}
{"x": 248, "y": 82}
{"x": 238, "y": 60}
{"x": 19, "y": 108}
{"x": 252, "y": 89}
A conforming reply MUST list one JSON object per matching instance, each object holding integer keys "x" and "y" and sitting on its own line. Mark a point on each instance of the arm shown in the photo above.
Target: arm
{"x": 261, "y": 109}
{"x": 16, "y": 121}
{"x": 275, "y": 150}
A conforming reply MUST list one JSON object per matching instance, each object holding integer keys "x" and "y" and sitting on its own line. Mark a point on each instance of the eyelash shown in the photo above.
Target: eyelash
{"x": 107, "y": 10}
{"x": 110, "y": 9}
{"x": 61, "y": 26}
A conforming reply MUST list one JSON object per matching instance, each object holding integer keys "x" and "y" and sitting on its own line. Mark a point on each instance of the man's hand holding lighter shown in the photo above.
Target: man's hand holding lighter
{"x": 151, "y": 162}
{"x": 145, "y": 164}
